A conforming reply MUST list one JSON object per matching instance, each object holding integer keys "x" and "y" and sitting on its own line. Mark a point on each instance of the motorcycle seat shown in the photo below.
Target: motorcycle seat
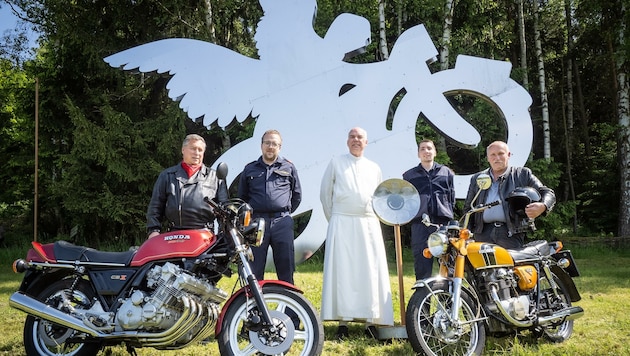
{"x": 531, "y": 251}
{"x": 66, "y": 251}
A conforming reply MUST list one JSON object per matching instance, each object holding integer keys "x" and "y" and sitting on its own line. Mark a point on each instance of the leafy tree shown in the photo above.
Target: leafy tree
{"x": 104, "y": 134}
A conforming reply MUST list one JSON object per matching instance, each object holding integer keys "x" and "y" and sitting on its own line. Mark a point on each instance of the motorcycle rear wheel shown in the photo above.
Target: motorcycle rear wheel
{"x": 307, "y": 337}
{"x": 562, "y": 331}
{"x": 44, "y": 338}
{"x": 428, "y": 329}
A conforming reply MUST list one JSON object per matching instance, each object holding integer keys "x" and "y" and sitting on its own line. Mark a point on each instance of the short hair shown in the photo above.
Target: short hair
{"x": 360, "y": 130}
{"x": 193, "y": 138}
{"x": 426, "y": 140}
{"x": 271, "y": 132}
{"x": 498, "y": 143}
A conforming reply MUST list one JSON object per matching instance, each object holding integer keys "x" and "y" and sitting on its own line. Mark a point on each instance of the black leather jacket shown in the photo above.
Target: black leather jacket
{"x": 512, "y": 178}
{"x": 180, "y": 201}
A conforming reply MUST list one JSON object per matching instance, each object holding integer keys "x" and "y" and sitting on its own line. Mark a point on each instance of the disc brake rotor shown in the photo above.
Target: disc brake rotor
{"x": 277, "y": 342}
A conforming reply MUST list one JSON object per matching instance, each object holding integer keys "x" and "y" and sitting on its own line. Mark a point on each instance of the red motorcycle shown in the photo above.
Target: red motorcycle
{"x": 163, "y": 294}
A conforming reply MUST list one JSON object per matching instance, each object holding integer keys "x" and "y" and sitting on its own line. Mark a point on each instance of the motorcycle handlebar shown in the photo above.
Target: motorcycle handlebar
{"x": 482, "y": 207}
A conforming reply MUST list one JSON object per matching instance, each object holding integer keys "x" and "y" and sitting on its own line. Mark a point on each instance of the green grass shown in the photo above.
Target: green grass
{"x": 603, "y": 330}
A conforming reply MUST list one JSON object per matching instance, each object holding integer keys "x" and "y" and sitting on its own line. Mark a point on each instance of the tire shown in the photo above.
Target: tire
{"x": 428, "y": 329}
{"x": 43, "y": 338}
{"x": 306, "y": 340}
{"x": 558, "y": 332}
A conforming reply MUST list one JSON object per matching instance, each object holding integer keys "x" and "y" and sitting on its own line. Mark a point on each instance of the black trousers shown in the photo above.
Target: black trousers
{"x": 498, "y": 234}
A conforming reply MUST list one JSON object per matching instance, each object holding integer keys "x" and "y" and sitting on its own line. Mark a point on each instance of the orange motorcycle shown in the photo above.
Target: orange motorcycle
{"x": 483, "y": 289}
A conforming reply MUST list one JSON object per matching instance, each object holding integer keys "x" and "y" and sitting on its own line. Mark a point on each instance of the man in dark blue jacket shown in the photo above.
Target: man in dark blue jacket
{"x": 272, "y": 187}
{"x": 434, "y": 183}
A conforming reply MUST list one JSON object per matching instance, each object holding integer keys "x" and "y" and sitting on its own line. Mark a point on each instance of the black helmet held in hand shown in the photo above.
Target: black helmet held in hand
{"x": 519, "y": 198}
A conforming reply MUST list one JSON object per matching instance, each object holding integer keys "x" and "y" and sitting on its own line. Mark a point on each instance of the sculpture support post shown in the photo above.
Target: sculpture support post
{"x": 399, "y": 268}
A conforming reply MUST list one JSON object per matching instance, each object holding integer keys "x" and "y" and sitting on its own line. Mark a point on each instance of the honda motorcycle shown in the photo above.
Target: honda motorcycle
{"x": 483, "y": 289}
{"x": 164, "y": 294}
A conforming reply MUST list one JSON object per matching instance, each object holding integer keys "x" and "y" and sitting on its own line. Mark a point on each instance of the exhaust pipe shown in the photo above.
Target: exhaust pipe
{"x": 568, "y": 313}
{"x": 38, "y": 309}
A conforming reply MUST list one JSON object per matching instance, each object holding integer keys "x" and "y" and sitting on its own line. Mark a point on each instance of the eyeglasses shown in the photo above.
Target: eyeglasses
{"x": 272, "y": 144}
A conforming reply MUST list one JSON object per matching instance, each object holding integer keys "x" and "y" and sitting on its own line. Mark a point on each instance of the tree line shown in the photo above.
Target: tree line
{"x": 103, "y": 135}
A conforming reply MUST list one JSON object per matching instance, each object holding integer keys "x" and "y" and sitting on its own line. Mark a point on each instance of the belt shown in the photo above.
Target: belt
{"x": 271, "y": 215}
{"x": 495, "y": 223}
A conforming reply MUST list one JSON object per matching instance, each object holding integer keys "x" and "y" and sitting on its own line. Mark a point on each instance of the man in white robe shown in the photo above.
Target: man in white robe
{"x": 356, "y": 278}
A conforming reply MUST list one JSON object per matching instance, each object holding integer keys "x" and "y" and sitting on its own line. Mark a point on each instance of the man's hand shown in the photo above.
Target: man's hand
{"x": 534, "y": 210}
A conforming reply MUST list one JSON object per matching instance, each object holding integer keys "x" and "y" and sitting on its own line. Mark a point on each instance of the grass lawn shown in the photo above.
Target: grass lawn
{"x": 603, "y": 330}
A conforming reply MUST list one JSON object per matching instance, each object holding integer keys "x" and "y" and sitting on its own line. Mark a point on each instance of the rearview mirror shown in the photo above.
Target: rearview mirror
{"x": 484, "y": 181}
{"x": 222, "y": 170}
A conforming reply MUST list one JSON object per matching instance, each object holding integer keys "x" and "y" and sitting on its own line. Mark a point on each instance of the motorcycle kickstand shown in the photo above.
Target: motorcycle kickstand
{"x": 131, "y": 350}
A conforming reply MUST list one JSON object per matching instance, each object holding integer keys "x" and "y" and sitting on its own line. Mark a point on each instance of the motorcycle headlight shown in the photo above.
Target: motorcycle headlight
{"x": 437, "y": 243}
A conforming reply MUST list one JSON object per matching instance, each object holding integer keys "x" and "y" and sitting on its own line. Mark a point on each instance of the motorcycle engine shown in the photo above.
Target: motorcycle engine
{"x": 161, "y": 305}
{"x": 511, "y": 298}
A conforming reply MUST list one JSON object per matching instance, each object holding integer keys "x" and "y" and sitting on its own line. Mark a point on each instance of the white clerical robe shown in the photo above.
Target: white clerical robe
{"x": 356, "y": 278}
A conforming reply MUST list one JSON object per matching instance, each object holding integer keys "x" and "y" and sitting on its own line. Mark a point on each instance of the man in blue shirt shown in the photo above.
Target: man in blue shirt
{"x": 272, "y": 187}
{"x": 434, "y": 183}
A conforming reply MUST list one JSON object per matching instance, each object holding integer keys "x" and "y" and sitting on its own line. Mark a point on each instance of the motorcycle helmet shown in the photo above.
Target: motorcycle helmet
{"x": 519, "y": 198}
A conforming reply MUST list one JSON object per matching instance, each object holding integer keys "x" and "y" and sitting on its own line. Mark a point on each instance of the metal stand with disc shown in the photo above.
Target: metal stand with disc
{"x": 396, "y": 202}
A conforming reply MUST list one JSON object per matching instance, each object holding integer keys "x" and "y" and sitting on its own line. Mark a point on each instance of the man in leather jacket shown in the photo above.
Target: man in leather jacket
{"x": 179, "y": 192}
{"x": 499, "y": 224}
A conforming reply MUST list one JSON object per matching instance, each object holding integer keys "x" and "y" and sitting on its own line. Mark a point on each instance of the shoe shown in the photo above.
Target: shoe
{"x": 371, "y": 332}
{"x": 342, "y": 332}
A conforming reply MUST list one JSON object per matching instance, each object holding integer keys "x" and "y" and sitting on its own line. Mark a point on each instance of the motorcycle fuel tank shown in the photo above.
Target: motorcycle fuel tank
{"x": 486, "y": 255}
{"x": 174, "y": 244}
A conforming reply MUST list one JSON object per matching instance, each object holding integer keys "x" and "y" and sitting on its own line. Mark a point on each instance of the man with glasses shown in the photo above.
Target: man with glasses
{"x": 271, "y": 186}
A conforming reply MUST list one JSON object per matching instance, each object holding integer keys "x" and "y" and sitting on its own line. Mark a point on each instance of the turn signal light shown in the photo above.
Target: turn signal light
{"x": 426, "y": 253}
{"x": 20, "y": 266}
{"x": 464, "y": 234}
{"x": 248, "y": 218}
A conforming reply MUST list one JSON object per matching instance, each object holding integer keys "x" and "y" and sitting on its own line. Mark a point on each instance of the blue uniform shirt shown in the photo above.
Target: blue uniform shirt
{"x": 270, "y": 188}
{"x": 436, "y": 190}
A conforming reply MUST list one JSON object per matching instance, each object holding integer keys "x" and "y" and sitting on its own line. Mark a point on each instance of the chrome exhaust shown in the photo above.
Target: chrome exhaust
{"x": 568, "y": 313}
{"x": 40, "y": 310}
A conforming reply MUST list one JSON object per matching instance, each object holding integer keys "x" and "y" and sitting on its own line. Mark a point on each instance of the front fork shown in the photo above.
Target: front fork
{"x": 252, "y": 282}
{"x": 458, "y": 277}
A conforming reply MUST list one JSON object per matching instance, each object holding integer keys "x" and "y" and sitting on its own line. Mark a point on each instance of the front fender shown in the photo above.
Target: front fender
{"x": 466, "y": 288}
{"x": 263, "y": 284}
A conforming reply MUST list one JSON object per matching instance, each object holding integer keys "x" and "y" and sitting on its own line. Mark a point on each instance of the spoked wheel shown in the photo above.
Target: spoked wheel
{"x": 297, "y": 329}
{"x": 43, "y": 338}
{"x": 430, "y": 329}
{"x": 561, "y": 331}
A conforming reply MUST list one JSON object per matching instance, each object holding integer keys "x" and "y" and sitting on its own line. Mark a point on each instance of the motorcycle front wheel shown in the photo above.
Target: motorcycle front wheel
{"x": 300, "y": 331}
{"x": 41, "y": 337}
{"x": 428, "y": 327}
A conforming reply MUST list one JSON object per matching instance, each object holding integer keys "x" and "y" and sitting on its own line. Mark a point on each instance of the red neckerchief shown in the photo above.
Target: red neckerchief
{"x": 190, "y": 169}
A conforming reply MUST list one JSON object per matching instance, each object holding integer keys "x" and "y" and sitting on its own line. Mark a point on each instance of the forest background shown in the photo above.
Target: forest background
{"x": 103, "y": 135}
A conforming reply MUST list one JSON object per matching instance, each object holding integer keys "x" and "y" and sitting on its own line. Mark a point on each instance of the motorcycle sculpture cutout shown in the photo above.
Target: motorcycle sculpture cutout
{"x": 483, "y": 289}
{"x": 164, "y": 295}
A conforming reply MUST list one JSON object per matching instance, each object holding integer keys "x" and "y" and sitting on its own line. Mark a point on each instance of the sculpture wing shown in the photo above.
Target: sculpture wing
{"x": 208, "y": 80}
